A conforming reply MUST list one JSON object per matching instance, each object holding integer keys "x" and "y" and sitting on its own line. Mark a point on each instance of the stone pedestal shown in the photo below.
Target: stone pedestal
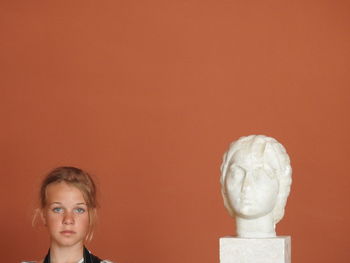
{"x": 255, "y": 250}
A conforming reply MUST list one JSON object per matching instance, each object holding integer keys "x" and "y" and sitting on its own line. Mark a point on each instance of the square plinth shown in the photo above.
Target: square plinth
{"x": 255, "y": 250}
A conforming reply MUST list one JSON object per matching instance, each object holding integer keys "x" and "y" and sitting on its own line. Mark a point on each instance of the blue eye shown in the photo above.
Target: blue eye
{"x": 79, "y": 210}
{"x": 57, "y": 209}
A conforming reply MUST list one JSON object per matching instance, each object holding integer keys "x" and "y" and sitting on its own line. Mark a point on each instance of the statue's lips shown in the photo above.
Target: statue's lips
{"x": 247, "y": 201}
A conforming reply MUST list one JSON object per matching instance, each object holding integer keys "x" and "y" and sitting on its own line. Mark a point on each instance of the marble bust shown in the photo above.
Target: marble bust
{"x": 255, "y": 184}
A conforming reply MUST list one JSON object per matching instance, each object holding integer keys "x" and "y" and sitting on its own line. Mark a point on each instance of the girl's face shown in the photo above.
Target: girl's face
{"x": 66, "y": 215}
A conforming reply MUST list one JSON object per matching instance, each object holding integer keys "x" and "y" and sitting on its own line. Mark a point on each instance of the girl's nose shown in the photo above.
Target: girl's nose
{"x": 68, "y": 218}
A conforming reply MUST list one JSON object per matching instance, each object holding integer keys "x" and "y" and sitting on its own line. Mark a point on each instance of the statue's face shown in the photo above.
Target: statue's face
{"x": 251, "y": 186}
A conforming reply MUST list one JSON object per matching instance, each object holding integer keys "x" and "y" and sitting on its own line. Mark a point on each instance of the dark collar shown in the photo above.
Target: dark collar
{"x": 88, "y": 257}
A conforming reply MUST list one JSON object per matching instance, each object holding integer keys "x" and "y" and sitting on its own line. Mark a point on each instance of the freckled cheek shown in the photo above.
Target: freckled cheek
{"x": 50, "y": 217}
{"x": 83, "y": 222}
{"x": 54, "y": 223}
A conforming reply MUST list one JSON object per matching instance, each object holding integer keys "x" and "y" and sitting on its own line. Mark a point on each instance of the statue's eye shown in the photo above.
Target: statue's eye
{"x": 263, "y": 173}
{"x": 238, "y": 173}
{"x": 234, "y": 178}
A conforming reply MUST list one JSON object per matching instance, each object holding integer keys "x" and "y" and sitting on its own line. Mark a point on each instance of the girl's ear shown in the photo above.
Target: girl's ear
{"x": 38, "y": 213}
{"x": 42, "y": 216}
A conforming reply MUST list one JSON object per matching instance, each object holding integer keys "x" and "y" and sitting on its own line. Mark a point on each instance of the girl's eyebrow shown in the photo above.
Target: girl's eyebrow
{"x": 58, "y": 203}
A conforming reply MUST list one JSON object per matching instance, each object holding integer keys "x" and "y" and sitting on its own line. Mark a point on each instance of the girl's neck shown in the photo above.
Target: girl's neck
{"x": 70, "y": 254}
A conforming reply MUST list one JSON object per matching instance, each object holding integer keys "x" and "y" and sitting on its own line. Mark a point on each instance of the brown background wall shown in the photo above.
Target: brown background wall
{"x": 147, "y": 95}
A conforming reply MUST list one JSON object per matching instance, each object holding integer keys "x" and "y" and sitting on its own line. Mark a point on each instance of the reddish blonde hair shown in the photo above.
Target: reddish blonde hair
{"x": 79, "y": 179}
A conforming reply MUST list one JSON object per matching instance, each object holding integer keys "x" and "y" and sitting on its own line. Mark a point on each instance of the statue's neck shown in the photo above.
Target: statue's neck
{"x": 255, "y": 228}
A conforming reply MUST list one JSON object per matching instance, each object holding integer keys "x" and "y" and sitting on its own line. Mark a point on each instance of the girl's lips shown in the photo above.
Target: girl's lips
{"x": 67, "y": 232}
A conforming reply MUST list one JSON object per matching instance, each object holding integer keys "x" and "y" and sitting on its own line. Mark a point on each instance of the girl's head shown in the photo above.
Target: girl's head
{"x": 69, "y": 179}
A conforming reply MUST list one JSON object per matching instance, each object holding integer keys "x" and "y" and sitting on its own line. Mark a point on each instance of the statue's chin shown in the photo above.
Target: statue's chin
{"x": 250, "y": 215}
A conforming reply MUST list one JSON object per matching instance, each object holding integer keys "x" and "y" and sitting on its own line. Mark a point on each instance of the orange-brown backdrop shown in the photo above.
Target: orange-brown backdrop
{"x": 147, "y": 95}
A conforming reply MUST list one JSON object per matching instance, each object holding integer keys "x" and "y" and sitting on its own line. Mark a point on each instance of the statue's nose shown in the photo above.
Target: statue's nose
{"x": 247, "y": 182}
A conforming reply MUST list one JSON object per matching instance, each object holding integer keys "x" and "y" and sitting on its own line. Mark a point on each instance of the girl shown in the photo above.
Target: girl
{"x": 68, "y": 210}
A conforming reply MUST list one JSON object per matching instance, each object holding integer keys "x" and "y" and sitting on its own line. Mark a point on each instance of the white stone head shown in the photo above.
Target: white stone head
{"x": 255, "y": 184}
